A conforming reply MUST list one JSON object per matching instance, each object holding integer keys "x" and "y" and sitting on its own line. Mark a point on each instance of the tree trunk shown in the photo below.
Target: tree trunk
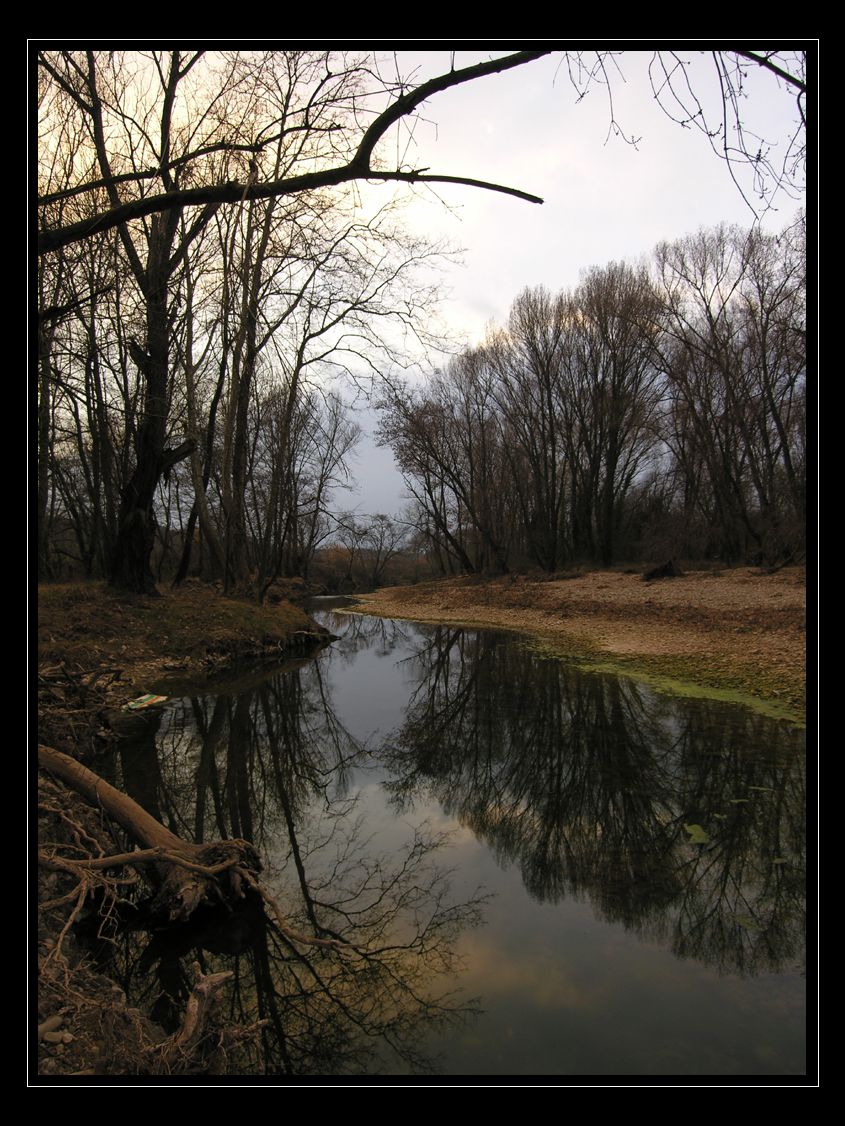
{"x": 130, "y": 567}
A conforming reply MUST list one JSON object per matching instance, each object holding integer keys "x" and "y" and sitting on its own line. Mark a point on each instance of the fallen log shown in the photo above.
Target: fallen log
{"x": 136, "y": 821}
{"x": 185, "y": 874}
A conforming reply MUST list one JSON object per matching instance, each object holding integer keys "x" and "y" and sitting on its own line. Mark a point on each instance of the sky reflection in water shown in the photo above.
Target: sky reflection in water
{"x": 612, "y": 944}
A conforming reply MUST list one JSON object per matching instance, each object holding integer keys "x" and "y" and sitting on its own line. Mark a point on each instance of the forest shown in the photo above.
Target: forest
{"x": 654, "y": 411}
{"x": 266, "y": 830}
{"x": 195, "y": 368}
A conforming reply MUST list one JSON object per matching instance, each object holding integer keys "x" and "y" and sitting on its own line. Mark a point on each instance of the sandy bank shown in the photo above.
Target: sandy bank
{"x": 736, "y": 632}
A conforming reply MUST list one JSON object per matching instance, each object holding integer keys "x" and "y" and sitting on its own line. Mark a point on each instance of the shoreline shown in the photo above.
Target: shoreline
{"x": 737, "y": 635}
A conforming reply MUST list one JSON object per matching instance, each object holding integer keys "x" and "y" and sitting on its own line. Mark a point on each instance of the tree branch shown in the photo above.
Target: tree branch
{"x": 178, "y": 162}
{"x": 409, "y": 102}
{"x": 56, "y": 312}
{"x": 425, "y": 178}
{"x": 356, "y": 169}
{"x": 172, "y": 457}
{"x": 769, "y": 65}
{"x": 132, "y": 859}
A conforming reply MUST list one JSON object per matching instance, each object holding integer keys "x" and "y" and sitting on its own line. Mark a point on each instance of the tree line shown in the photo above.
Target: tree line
{"x": 208, "y": 257}
{"x": 654, "y": 410}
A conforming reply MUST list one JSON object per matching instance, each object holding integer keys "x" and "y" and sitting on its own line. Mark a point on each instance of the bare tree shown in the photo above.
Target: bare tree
{"x": 615, "y": 389}
{"x": 383, "y": 540}
{"x": 152, "y": 120}
{"x": 735, "y": 355}
{"x": 449, "y": 444}
{"x": 528, "y": 358}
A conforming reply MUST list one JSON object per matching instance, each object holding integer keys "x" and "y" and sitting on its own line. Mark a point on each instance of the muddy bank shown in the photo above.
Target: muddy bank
{"x": 738, "y": 633}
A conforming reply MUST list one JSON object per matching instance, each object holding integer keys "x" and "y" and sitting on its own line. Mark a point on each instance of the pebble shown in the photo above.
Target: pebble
{"x": 54, "y": 1037}
{"x": 49, "y": 1025}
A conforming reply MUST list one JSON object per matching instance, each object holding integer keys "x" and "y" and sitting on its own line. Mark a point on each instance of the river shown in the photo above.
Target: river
{"x": 542, "y": 872}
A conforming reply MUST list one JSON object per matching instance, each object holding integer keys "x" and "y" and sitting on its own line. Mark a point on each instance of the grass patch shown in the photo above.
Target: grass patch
{"x": 89, "y": 624}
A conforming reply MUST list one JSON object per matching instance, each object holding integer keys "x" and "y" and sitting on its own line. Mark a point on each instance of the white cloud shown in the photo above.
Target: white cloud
{"x": 604, "y": 199}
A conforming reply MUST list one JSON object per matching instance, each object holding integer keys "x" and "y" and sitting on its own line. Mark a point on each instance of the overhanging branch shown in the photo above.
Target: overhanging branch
{"x": 425, "y": 178}
{"x": 356, "y": 169}
{"x": 766, "y": 62}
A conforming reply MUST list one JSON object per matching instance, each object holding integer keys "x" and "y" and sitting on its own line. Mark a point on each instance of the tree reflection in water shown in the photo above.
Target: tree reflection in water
{"x": 596, "y": 787}
{"x": 588, "y": 781}
{"x": 270, "y": 761}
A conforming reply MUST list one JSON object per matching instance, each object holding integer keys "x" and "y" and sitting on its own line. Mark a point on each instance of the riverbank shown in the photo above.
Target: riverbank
{"x": 98, "y": 650}
{"x": 739, "y": 634}
{"x": 736, "y": 634}
{"x": 190, "y": 630}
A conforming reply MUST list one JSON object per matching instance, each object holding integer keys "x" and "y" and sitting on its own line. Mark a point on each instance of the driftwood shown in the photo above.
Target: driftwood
{"x": 666, "y": 570}
{"x": 178, "y": 1050}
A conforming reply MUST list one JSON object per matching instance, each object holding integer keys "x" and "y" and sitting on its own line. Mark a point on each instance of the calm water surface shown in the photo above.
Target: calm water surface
{"x": 546, "y": 872}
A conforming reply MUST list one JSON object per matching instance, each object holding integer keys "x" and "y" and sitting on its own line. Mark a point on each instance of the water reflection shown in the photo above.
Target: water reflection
{"x": 589, "y": 782}
{"x": 596, "y": 788}
{"x": 358, "y": 632}
{"x": 271, "y": 763}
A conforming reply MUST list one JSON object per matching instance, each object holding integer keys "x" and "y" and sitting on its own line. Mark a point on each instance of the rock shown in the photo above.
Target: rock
{"x": 53, "y": 1037}
{"x": 49, "y": 1026}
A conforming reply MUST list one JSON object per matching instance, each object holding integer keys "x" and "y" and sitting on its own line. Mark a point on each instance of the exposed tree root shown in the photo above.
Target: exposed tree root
{"x": 180, "y": 1051}
{"x": 186, "y": 874}
{"x": 183, "y": 875}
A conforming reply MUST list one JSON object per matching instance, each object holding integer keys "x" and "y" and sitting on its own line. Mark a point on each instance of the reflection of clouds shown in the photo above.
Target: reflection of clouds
{"x": 542, "y": 981}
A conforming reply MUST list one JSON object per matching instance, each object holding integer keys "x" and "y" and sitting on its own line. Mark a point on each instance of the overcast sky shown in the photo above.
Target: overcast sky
{"x": 603, "y": 199}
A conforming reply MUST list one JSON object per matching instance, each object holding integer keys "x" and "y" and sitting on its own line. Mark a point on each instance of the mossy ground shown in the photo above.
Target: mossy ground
{"x": 764, "y": 693}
